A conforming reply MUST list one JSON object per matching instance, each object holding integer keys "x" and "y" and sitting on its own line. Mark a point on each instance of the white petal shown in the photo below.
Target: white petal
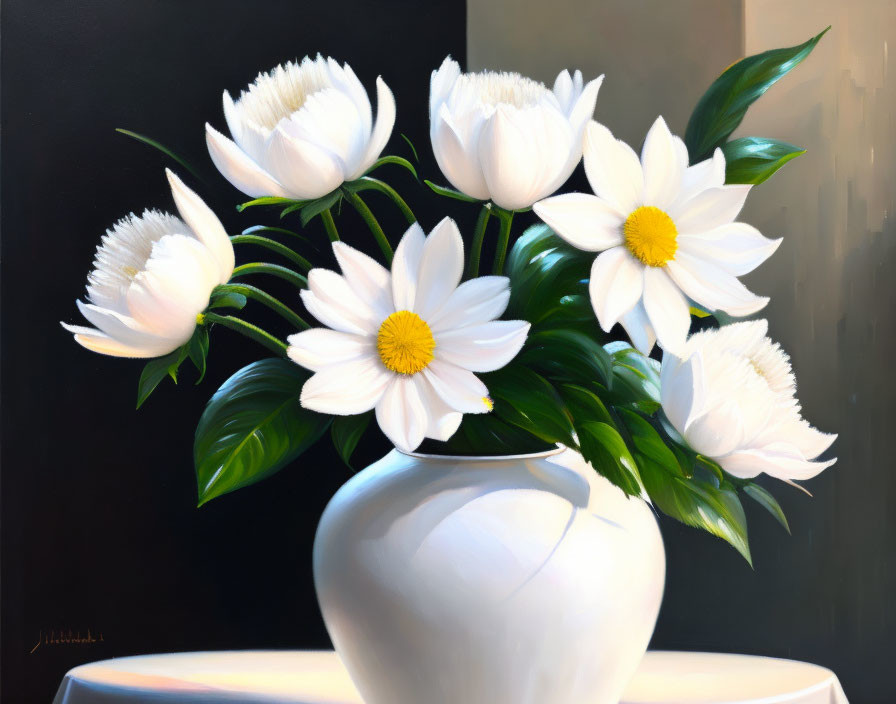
{"x": 484, "y": 347}
{"x": 402, "y": 415}
{"x": 457, "y": 387}
{"x": 332, "y": 316}
{"x": 565, "y": 91}
{"x": 613, "y": 169}
{"x": 807, "y": 441}
{"x": 639, "y": 328}
{"x": 667, "y": 309}
{"x": 406, "y": 266}
{"x": 682, "y": 389}
{"x": 98, "y": 341}
{"x": 369, "y": 279}
{"x": 710, "y": 209}
{"x": 509, "y": 159}
{"x": 204, "y": 224}
{"x": 616, "y": 285}
{"x": 716, "y": 432}
{"x": 712, "y": 287}
{"x": 583, "y": 110}
{"x": 583, "y": 220}
{"x": 737, "y": 248}
{"x": 333, "y": 291}
{"x": 709, "y": 173}
{"x": 307, "y": 170}
{"x": 662, "y": 170}
{"x": 458, "y": 161}
{"x": 318, "y": 348}
{"x": 443, "y": 420}
{"x": 382, "y": 128}
{"x": 346, "y": 389}
{"x": 475, "y": 301}
{"x": 748, "y": 463}
{"x": 329, "y": 120}
{"x": 238, "y": 168}
{"x": 440, "y": 84}
{"x": 441, "y": 267}
{"x": 125, "y": 329}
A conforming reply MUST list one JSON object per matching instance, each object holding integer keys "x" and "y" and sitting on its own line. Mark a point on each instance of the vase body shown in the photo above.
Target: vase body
{"x": 512, "y": 580}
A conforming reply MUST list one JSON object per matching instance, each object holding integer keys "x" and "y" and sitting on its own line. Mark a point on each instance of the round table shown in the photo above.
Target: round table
{"x": 318, "y": 677}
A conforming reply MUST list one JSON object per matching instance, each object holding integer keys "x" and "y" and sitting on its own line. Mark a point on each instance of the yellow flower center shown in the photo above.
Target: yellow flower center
{"x": 405, "y": 343}
{"x": 651, "y": 236}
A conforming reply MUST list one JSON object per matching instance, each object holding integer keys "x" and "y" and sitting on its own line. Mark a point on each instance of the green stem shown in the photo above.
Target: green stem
{"x": 268, "y": 300}
{"x": 274, "y": 246}
{"x": 372, "y": 223}
{"x": 478, "y": 236}
{"x": 375, "y": 184}
{"x": 330, "y": 225}
{"x": 272, "y": 269}
{"x": 506, "y": 217}
{"x": 251, "y": 331}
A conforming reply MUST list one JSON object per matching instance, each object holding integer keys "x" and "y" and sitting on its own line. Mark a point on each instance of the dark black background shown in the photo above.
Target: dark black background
{"x": 99, "y": 524}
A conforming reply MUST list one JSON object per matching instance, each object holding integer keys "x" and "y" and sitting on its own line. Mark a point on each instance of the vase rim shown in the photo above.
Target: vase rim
{"x": 484, "y": 458}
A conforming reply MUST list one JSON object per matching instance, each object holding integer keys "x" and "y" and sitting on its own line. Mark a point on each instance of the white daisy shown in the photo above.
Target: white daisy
{"x": 731, "y": 394}
{"x": 152, "y": 276}
{"x": 666, "y": 233}
{"x": 407, "y": 342}
{"x": 301, "y": 130}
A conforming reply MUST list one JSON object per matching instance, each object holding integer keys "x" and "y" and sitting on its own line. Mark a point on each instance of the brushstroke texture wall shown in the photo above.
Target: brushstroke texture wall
{"x": 826, "y": 593}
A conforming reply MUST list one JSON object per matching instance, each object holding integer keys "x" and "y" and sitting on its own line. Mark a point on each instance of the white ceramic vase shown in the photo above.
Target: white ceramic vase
{"x": 496, "y": 580}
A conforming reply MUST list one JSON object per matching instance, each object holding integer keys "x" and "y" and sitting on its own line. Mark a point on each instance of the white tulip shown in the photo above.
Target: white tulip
{"x": 405, "y": 342}
{"x": 152, "y": 277}
{"x": 301, "y": 130}
{"x": 666, "y": 233}
{"x": 507, "y": 138}
{"x": 732, "y": 396}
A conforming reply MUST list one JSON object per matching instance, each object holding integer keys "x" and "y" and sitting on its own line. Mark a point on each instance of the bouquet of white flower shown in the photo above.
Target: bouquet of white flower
{"x": 515, "y": 361}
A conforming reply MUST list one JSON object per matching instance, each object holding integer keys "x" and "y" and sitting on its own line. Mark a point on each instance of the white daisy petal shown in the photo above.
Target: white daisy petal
{"x": 405, "y": 267}
{"x": 709, "y": 173}
{"x": 710, "y": 209}
{"x": 667, "y": 309}
{"x": 613, "y": 169}
{"x": 639, "y": 328}
{"x": 737, "y": 248}
{"x": 713, "y": 288}
{"x": 585, "y": 221}
{"x": 333, "y": 291}
{"x": 331, "y": 316}
{"x": 443, "y": 420}
{"x": 441, "y": 267}
{"x": 475, "y": 301}
{"x": 457, "y": 387}
{"x": 484, "y": 347}
{"x": 369, "y": 279}
{"x": 662, "y": 169}
{"x": 402, "y": 414}
{"x": 318, "y": 348}
{"x": 616, "y": 285}
{"x": 346, "y": 389}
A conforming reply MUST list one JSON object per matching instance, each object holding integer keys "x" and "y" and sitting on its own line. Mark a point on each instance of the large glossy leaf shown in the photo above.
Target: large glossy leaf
{"x": 603, "y": 446}
{"x": 762, "y": 496}
{"x": 156, "y": 370}
{"x": 527, "y": 400}
{"x": 723, "y": 106}
{"x": 346, "y": 431}
{"x": 252, "y": 427}
{"x": 567, "y": 355}
{"x": 754, "y": 159}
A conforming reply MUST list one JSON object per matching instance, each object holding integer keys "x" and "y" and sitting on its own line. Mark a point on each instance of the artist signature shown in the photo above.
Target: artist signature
{"x": 67, "y": 637}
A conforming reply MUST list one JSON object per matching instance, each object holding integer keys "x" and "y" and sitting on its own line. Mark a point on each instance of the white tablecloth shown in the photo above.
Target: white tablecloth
{"x": 318, "y": 677}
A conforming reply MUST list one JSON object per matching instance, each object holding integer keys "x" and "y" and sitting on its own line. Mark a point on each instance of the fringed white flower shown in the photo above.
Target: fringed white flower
{"x": 731, "y": 394}
{"x": 152, "y": 276}
{"x": 405, "y": 342}
{"x": 507, "y": 138}
{"x": 666, "y": 231}
{"x": 301, "y": 130}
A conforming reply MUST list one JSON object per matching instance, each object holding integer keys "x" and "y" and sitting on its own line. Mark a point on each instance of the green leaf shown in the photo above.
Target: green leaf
{"x": 761, "y": 496}
{"x": 397, "y": 160}
{"x": 567, "y": 355}
{"x": 527, "y": 400}
{"x": 261, "y": 229}
{"x": 723, "y": 106}
{"x": 647, "y": 442}
{"x": 754, "y": 159}
{"x": 316, "y": 207}
{"x": 269, "y": 200}
{"x": 252, "y": 427}
{"x": 162, "y": 148}
{"x": 411, "y": 145}
{"x": 603, "y": 446}
{"x": 584, "y": 405}
{"x": 156, "y": 370}
{"x": 228, "y": 300}
{"x": 346, "y": 431}
{"x": 197, "y": 348}
{"x": 450, "y": 192}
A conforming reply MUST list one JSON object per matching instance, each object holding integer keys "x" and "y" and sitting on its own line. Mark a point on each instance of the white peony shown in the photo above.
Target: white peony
{"x": 666, "y": 233}
{"x": 507, "y": 138}
{"x": 732, "y": 395}
{"x": 301, "y": 130}
{"x": 405, "y": 342}
{"x": 152, "y": 277}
